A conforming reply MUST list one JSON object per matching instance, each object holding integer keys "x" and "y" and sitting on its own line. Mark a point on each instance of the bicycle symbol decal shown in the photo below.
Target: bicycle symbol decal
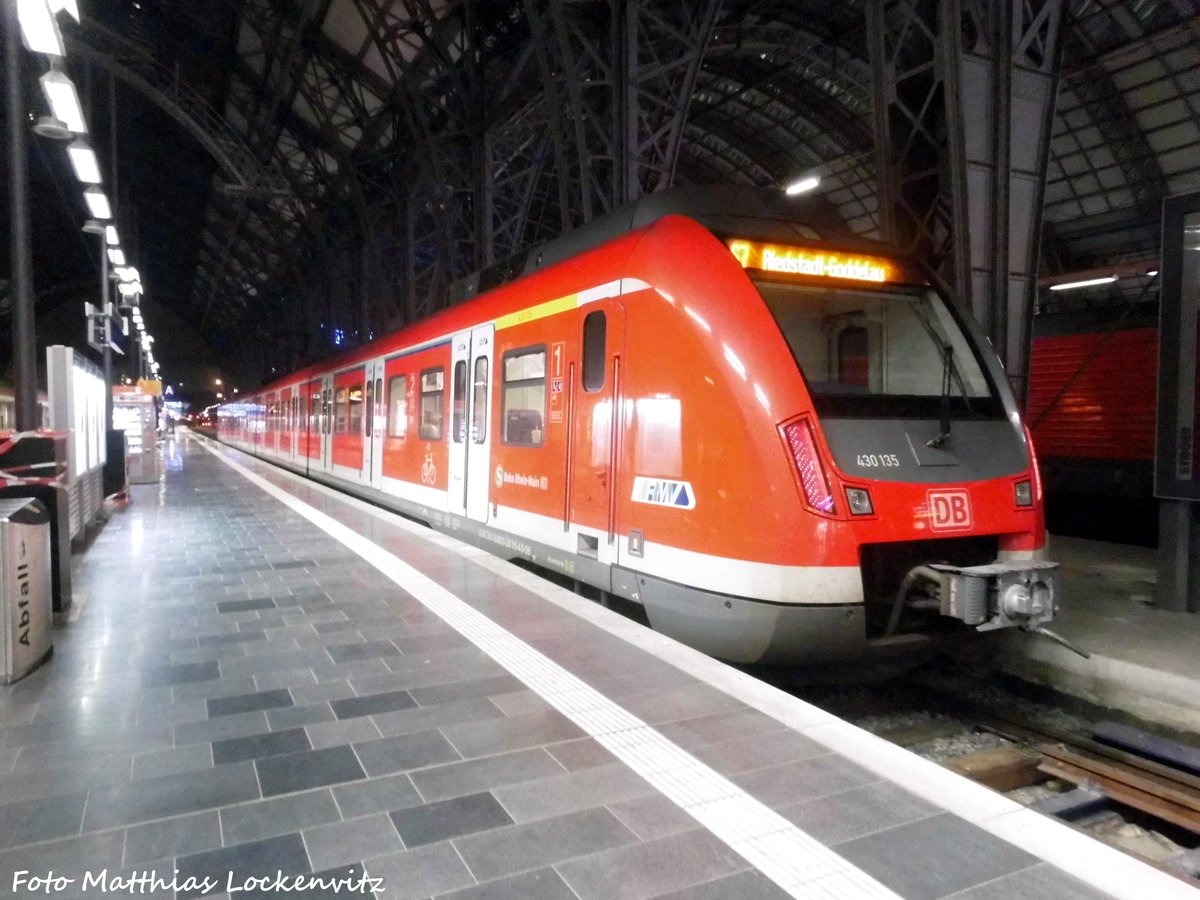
{"x": 428, "y": 470}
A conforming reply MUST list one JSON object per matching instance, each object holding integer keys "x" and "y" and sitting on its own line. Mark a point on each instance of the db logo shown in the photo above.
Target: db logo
{"x": 949, "y": 510}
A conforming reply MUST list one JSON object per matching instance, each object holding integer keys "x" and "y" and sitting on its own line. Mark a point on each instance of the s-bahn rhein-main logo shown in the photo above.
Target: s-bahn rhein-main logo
{"x": 950, "y": 510}
{"x": 663, "y": 492}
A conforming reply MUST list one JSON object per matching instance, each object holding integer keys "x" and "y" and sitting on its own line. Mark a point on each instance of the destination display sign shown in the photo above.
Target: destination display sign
{"x": 792, "y": 260}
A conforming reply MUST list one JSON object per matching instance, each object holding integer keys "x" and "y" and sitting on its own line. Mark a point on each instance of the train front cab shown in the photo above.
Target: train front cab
{"x": 855, "y": 470}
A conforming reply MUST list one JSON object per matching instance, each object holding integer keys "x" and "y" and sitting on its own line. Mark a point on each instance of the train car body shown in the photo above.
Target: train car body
{"x": 785, "y": 450}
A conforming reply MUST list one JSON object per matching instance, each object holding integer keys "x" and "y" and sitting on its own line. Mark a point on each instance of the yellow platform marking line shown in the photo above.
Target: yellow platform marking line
{"x": 795, "y": 861}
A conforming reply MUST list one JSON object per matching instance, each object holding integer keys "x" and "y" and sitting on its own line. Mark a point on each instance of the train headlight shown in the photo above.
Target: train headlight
{"x": 1023, "y": 493}
{"x": 859, "y": 501}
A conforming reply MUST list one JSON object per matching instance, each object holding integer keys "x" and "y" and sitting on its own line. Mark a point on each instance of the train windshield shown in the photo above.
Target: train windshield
{"x": 889, "y": 352}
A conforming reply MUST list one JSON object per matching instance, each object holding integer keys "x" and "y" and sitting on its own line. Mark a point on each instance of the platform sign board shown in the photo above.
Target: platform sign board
{"x": 1177, "y": 461}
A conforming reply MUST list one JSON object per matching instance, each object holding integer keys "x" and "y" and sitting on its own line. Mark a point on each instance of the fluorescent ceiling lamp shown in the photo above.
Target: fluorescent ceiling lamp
{"x": 128, "y": 288}
{"x": 116, "y": 256}
{"x": 803, "y": 186}
{"x": 127, "y": 273}
{"x": 39, "y": 31}
{"x": 110, "y": 235}
{"x": 97, "y": 203}
{"x": 70, "y": 7}
{"x": 63, "y": 99}
{"x": 83, "y": 160}
{"x": 1089, "y": 282}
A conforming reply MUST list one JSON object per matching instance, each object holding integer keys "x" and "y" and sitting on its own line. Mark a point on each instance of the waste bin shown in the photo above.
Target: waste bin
{"x": 24, "y": 586}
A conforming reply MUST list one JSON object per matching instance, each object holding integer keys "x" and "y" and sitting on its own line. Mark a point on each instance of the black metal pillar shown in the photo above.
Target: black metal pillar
{"x": 24, "y": 338}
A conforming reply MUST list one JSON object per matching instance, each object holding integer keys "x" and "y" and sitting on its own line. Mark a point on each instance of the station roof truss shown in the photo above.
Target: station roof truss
{"x": 348, "y": 162}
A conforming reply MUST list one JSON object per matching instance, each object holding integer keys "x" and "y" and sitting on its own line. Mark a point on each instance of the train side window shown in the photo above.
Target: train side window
{"x": 340, "y": 411}
{"x": 458, "y": 405}
{"x": 370, "y": 406}
{"x": 594, "y": 333}
{"x": 397, "y": 421}
{"x": 524, "y": 409}
{"x": 354, "y": 424}
{"x": 433, "y": 401}
{"x": 854, "y": 356}
{"x": 314, "y": 405}
{"x": 479, "y": 402}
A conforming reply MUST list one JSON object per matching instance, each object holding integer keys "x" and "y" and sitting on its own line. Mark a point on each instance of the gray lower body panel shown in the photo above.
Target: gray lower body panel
{"x": 749, "y": 631}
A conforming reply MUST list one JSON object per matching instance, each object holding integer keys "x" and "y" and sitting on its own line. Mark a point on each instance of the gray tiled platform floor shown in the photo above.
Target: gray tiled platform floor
{"x": 243, "y": 693}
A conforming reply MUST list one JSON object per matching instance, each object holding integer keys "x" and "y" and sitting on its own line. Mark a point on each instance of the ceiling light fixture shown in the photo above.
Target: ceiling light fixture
{"x": 83, "y": 160}
{"x": 63, "y": 99}
{"x": 1087, "y": 282}
{"x": 803, "y": 186}
{"x": 97, "y": 203}
{"x": 39, "y": 31}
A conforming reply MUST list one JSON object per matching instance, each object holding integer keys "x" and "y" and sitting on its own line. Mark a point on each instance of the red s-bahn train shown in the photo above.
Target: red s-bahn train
{"x": 787, "y": 448}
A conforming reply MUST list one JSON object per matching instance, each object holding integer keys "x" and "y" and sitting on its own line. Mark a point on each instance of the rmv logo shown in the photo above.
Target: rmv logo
{"x": 949, "y": 510}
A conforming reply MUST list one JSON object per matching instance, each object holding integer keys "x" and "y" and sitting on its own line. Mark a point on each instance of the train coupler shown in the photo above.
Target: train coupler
{"x": 998, "y": 595}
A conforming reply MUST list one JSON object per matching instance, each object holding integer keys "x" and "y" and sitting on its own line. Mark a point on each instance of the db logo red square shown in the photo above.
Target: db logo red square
{"x": 950, "y": 510}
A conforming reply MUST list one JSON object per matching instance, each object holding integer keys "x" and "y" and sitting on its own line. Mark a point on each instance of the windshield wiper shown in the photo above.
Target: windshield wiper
{"x": 950, "y": 374}
{"x": 947, "y": 368}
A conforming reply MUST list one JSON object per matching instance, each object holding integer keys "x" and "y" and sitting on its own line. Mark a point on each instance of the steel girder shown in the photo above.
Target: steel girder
{"x": 964, "y": 96}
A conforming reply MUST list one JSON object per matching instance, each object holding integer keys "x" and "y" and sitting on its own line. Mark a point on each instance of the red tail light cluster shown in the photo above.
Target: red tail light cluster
{"x": 813, "y": 479}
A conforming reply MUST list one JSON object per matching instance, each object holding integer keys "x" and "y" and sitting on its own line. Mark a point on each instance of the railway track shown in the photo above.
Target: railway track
{"x": 1125, "y": 786}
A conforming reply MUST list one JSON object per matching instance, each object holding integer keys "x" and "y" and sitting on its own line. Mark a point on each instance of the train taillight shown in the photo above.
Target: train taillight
{"x": 813, "y": 479}
{"x": 1034, "y": 468}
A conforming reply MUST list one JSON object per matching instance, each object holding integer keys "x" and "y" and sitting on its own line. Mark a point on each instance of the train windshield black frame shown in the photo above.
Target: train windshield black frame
{"x": 876, "y": 353}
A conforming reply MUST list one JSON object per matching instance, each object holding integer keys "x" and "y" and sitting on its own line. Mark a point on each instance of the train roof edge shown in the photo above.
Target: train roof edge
{"x": 724, "y": 209}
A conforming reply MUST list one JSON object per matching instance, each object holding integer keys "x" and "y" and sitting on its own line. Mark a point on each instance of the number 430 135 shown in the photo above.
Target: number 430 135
{"x": 878, "y": 460}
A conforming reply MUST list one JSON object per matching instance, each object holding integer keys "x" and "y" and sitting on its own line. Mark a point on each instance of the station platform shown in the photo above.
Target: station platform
{"x": 262, "y": 679}
{"x": 1143, "y": 659}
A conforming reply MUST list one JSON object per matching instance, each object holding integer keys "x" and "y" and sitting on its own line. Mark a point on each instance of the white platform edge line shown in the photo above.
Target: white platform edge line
{"x": 792, "y": 859}
{"x": 1078, "y": 854}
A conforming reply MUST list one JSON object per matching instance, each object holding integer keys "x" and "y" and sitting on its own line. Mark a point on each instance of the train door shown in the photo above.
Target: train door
{"x": 311, "y": 426}
{"x": 470, "y": 434}
{"x": 594, "y": 392}
{"x": 271, "y": 429}
{"x": 376, "y": 423}
{"x": 326, "y": 383}
{"x": 284, "y": 419}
